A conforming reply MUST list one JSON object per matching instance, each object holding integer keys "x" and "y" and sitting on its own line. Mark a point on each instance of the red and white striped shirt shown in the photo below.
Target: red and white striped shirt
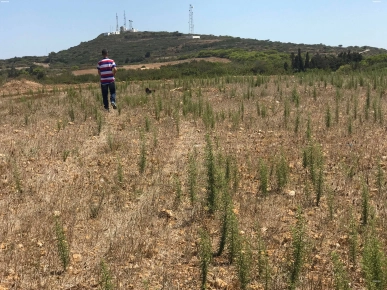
{"x": 105, "y": 67}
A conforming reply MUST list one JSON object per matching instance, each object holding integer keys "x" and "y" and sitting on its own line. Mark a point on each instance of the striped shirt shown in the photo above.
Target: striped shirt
{"x": 105, "y": 67}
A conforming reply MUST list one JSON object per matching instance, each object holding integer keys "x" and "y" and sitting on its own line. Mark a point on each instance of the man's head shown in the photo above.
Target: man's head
{"x": 104, "y": 52}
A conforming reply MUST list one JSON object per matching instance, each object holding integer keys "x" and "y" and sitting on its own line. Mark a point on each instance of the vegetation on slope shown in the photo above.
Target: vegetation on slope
{"x": 141, "y": 47}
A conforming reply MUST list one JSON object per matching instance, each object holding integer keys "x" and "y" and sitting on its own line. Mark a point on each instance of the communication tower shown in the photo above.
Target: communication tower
{"x": 191, "y": 23}
{"x": 124, "y": 20}
{"x": 117, "y": 29}
{"x": 130, "y": 25}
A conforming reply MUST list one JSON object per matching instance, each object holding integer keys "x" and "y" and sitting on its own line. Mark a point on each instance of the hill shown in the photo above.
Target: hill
{"x": 145, "y": 47}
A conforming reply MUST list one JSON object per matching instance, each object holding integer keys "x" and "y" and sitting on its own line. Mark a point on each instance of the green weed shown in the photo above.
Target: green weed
{"x": 353, "y": 240}
{"x": 341, "y": 281}
{"x": 263, "y": 178}
{"x": 192, "y": 176}
{"x": 365, "y": 204}
{"x": 298, "y": 250}
{"x": 379, "y": 178}
{"x": 264, "y": 271}
{"x": 234, "y": 239}
{"x": 244, "y": 260}
{"x": 374, "y": 263}
{"x": 16, "y": 178}
{"x": 205, "y": 254}
{"x": 65, "y": 155}
{"x": 211, "y": 176}
{"x": 71, "y": 114}
{"x": 319, "y": 186}
{"x": 225, "y": 227}
{"x": 308, "y": 129}
{"x": 106, "y": 279}
{"x": 297, "y": 122}
{"x": 143, "y": 153}
{"x": 328, "y": 118}
{"x": 282, "y": 172}
{"x": 62, "y": 244}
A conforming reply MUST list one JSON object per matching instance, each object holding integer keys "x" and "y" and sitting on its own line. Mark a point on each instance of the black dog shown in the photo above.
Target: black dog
{"x": 149, "y": 91}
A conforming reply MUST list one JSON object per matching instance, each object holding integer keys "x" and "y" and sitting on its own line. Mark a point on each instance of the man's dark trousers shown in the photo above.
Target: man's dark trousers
{"x": 105, "y": 92}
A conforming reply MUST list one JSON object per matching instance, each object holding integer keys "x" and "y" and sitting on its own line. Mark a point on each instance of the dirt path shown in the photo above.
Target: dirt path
{"x": 155, "y": 65}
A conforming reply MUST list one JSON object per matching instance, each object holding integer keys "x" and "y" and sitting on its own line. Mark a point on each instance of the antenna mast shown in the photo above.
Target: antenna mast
{"x": 124, "y": 20}
{"x": 191, "y": 23}
{"x": 117, "y": 29}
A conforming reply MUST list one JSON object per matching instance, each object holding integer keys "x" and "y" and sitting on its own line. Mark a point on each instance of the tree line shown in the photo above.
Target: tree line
{"x": 243, "y": 62}
{"x": 326, "y": 61}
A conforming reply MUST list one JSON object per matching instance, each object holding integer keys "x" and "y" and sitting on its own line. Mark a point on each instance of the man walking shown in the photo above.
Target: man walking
{"x": 107, "y": 70}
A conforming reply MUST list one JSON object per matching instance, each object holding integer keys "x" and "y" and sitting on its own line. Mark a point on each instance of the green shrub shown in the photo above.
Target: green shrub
{"x": 374, "y": 263}
{"x": 263, "y": 178}
{"x": 244, "y": 260}
{"x": 211, "y": 176}
{"x": 341, "y": 281}
{"x": 298, "y": 249}
{"x": 143, "y": 153}
{"x": 282, "y": 172}
{"x": 192, "y": 176}
{"x": 205, "y": 254}
{"x": 62, "y": 244}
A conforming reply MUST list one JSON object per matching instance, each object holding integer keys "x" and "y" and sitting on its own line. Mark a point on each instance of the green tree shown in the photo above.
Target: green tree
{"x": 300, "y": 64}
{"x": 51, "y": 57}
{"x": 286, "y": 65}
{"x": 12, "y": 72}
{"x": 293, "y": 60}
{"x": 307, "y": 60}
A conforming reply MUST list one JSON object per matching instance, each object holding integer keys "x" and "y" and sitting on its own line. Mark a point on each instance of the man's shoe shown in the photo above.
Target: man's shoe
{"x": 106, "y": 110}
{"x": 114, "y": 105}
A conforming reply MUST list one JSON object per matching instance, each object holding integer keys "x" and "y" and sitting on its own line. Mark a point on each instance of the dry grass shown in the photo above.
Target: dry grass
{"x": 155, "y": 65}
{"x": 134, "y": 225}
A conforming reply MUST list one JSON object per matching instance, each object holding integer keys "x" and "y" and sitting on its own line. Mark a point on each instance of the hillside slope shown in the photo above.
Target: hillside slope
{"x": 130, "y": 48}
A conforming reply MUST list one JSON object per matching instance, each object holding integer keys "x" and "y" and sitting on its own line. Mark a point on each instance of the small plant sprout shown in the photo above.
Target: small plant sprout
{"x": 62, "y": 243}
{"x": 106, "y": 279}
{"x": 263, "y": 178}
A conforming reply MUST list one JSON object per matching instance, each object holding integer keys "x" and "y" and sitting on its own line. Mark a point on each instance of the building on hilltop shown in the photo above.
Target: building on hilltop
{"x": 111, "y": 33}
{"x": 124, "y": 29}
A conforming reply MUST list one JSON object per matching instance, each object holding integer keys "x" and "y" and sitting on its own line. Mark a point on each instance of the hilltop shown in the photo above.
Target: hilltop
{"x": 147, "y": 47}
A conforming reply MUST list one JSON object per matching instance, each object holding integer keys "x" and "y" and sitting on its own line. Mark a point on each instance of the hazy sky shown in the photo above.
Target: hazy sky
{"x": 37, "y": 27}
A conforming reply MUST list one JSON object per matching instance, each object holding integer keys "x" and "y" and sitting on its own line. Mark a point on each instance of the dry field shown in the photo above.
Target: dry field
{"x": 155, "y": 65}
{"x": 244, "y": 182}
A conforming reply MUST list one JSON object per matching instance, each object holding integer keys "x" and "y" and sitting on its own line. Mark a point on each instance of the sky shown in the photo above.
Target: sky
{"x": 38, "y": 27}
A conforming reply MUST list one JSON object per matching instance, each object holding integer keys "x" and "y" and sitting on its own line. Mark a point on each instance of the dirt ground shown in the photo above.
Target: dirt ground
{"x": 117, "y": 184}
{"x": 19, "y": 86}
